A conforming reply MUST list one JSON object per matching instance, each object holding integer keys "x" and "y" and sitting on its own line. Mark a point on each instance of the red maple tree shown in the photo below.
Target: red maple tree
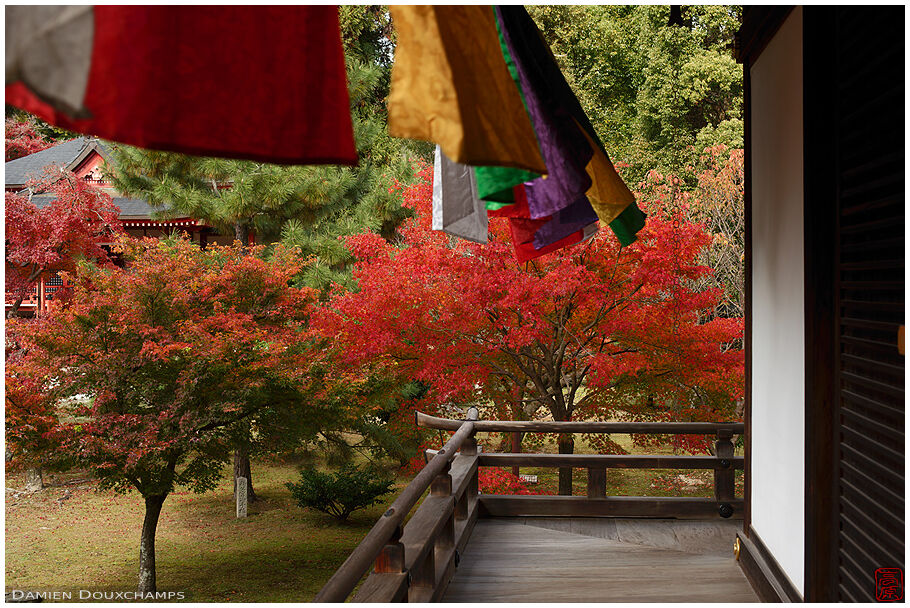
{"x": 43, "y": 240}
{"x": 23, "y": 138}
{"x": 594, "y": 331}
{"x": 150, "y": 372}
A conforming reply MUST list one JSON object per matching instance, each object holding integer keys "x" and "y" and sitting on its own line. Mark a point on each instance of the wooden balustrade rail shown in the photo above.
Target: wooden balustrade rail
{"x": 553, "y": 426}
{"x": 415, "y": 562}
{"x": 723, "y": 463}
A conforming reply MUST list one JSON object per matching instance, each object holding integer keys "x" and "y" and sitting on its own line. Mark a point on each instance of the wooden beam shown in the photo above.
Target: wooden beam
{"x": 820, "y": 297}
{"x": 609, "y": 461}
{"x": 747, "y": 295}
{"x": 424, "y": 526}
{"x": 385, "y": 587}
{"x": 765, "y": 575}
{"x": 463, "y": 469}
{"x": 611, "y": 506}
{"x": 760, "y": 23}
{"x": 549, "y": 426}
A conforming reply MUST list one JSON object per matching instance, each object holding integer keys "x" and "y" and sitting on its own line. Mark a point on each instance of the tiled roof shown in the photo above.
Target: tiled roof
{"x": 22, "y": 169}
{"x": 64, "y": 154}
{"x": 130, "y": 208}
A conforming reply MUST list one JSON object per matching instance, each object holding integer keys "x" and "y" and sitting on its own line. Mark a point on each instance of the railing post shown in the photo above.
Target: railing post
{"x": 469, "y": 448}
{"x": 469, "y": 445}
{"x": 724, "y": 478}
{"x": 442, "y": 484}
{"x": 423, "y": 578}
{"x": 597, "y": 483}
{"x": 391, "y": 558}
{"x": 445, "y": 540}
{"x": 516, "y": 449}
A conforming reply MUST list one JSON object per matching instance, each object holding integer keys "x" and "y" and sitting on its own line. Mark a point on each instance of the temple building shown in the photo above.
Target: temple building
{"x": 84, "y": 157}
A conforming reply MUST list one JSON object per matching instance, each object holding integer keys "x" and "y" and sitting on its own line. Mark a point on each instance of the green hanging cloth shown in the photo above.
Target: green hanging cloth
{"x": 627, "y": 224}
{"x": 494, "y": 184}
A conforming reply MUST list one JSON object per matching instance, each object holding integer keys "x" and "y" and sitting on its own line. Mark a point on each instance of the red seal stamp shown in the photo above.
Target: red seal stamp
{"x": 889, "y": 585}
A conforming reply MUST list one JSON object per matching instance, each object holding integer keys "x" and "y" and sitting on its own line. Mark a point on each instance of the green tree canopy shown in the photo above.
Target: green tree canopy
{"x": 658, "y": 94}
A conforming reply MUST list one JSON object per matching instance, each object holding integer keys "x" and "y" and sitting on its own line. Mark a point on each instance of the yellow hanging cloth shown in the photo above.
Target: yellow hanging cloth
{"x": 608, "y": 194}
{"x": 451, "y": 86}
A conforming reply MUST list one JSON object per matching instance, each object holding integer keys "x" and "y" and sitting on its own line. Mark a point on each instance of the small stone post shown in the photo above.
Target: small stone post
{"x": 241, "y": 497}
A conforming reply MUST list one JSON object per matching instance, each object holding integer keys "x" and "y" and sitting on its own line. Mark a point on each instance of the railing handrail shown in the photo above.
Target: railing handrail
{"x": 609, "y": 461}
{"x": 361, "y": 559}
{"x": 553, "y": 426}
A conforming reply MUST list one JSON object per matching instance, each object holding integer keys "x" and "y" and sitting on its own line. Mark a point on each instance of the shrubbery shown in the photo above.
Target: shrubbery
{"x": 341, "y": 493}
{"x": 496, "y": 480}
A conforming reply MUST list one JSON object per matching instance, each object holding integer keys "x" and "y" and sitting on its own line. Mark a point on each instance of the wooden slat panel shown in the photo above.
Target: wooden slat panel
{"x": 860, "y": 535}
{"x": 873, "y": 367}
{"x": 882, "y": 494}
{"x": 872, "y": 528}
{"x": 859, "y": 556}
{"x": 870, "y": 404}
{"x": 881, "y": 469}
{"x": 872, "y": 428}
{"x": 859, "y": 400}
{"x": 874, "y": 447}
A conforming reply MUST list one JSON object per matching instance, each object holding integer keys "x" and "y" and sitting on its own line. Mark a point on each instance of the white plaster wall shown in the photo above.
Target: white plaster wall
{"x": 778, "y": 395}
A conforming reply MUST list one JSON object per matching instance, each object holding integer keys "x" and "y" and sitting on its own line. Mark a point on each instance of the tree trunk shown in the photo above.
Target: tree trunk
{"x": 242, "y": 469}
{"x": 34, "y": 480}
{"x": 241, "y": 233}
{"x": 566, "y": 444}
{"x": 13, "y": 311}
{"x": 153, "y": 506}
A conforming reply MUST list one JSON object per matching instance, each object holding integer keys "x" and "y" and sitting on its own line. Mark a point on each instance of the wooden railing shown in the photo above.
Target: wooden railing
{"x": 415, "y": 562}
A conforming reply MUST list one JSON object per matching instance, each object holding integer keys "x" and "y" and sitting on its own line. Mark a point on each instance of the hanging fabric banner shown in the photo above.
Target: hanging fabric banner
{"x": 565, "y": 149}
{"x": 608, "y": 194}
{"x": 456, "y": 208}
{"x": 265, "y": 83}
{"x": 450, "y": 85}
{"x": 533, "y": 238}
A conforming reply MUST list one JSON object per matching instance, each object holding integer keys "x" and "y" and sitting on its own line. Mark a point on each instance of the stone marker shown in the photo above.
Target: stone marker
{"x": 241, "y": 497}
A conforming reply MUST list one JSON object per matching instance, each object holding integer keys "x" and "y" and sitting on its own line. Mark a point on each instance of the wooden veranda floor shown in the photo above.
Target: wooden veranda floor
{"x": 535, "y": 559}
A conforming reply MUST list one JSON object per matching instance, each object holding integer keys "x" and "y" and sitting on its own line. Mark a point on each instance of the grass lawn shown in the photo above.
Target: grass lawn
{"x": 70, "y": 536}
{"x": 90, "y": 540}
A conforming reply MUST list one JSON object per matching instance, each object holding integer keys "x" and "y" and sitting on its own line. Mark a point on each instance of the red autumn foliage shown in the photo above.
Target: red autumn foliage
{"x": 31, "y": 419}
{"x": 152, "y": 369}
{"x": 496, "y": 480}
{"x": 594, "y": 331}
{"x": 42, "y": 241}
{"x": 23, "y": 138}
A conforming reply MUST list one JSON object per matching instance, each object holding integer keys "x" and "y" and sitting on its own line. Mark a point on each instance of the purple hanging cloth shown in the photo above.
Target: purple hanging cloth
{"x": 564, "y": 148}
{"x": 566, "y": 221}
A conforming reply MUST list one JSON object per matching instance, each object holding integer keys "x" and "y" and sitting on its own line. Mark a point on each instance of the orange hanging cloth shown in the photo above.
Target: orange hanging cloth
{"x": 451, "y": 86}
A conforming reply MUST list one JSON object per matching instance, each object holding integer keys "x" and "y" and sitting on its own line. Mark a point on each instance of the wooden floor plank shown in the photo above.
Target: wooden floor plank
{"x": 518, "y": 560}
